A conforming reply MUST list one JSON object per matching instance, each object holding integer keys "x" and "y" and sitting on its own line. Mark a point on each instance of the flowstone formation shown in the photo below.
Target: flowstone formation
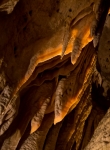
{"x": 54, "y": 75}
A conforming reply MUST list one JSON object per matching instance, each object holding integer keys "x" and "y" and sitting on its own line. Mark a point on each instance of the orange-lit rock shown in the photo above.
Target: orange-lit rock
{"x": 47, "y": 59}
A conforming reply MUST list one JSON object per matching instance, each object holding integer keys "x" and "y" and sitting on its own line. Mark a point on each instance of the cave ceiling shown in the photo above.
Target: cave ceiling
{"x": 54, "y": 74}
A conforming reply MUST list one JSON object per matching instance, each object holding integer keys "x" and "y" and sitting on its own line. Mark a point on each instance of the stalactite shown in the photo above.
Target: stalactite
{"x": 40, "y": 91}
{"x": 66, "y": 38}
{"x": 38, "y": 117}
{"x": 67, "y": 94}
{"x": 37, "y": 139}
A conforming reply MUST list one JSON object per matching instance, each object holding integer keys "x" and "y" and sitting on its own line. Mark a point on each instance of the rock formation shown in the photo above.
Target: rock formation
{"x": 54, "y": 75}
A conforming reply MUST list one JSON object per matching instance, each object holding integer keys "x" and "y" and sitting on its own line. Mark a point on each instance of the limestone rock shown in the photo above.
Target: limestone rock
{"x": 49, "y": 72}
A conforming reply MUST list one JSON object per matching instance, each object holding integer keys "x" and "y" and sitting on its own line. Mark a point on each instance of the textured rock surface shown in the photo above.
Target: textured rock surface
{"x": 47, "y": 61}
{"x": 101, "y": 137}
{"x": 8, "y": 5}
{"x": 104, "y": 50}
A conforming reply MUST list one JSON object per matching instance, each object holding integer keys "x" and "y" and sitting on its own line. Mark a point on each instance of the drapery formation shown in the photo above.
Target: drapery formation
{"x": 51, "y": 61}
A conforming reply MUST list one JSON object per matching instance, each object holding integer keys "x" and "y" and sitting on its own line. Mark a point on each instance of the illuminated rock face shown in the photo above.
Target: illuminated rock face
{"x": 48, "y": 66}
